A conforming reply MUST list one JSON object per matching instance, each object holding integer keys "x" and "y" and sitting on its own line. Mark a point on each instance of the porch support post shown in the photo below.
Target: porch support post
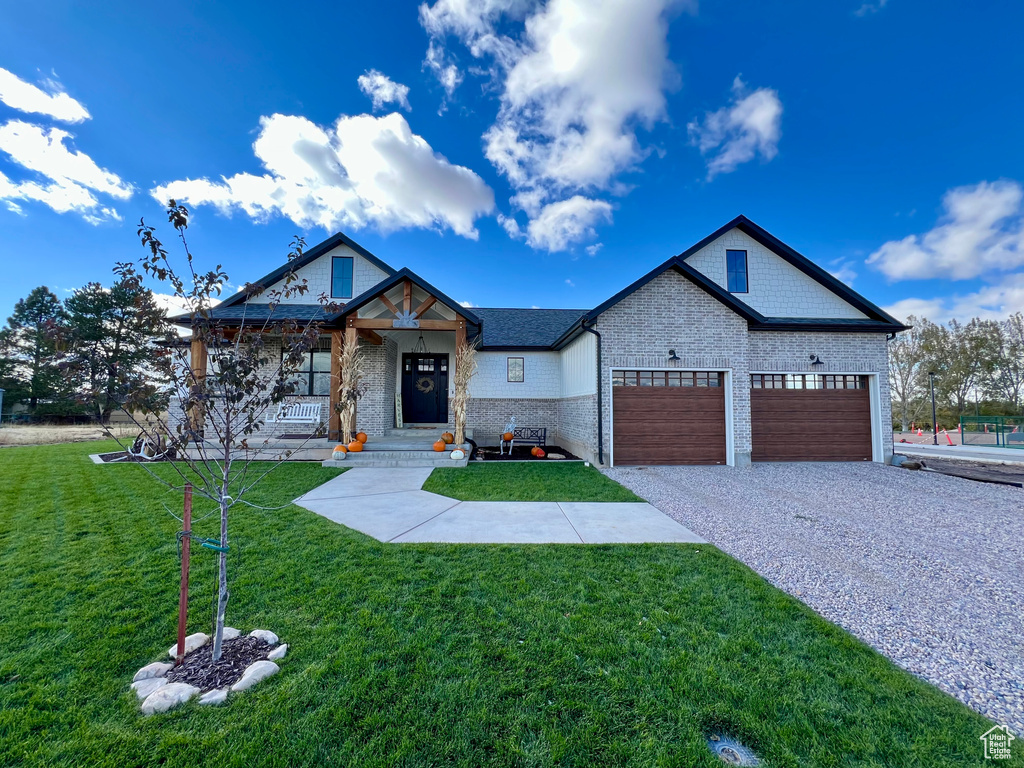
{"x": 197, "y": 362}
{"x": 460, "y": 331}
{"x": 407, "y": 298}
{"x": 334, "y": 419}
{"x": 352, "y": 337}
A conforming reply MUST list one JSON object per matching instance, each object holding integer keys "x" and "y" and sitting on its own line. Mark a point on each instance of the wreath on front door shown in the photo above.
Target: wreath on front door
{"x": 425, "y": 384}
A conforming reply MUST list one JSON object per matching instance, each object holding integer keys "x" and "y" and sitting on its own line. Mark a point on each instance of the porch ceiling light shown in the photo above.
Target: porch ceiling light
{"x": 421, "y": 346}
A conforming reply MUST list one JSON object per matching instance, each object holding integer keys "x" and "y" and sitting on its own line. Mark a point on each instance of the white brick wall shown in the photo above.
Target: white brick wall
{"x": 776, "y": 287}
{"x": 318, "y": 276}
{"x": 542, "y": 379}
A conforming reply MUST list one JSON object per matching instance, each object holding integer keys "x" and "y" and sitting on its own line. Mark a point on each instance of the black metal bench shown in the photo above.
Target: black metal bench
{"x": 529, "y": 435}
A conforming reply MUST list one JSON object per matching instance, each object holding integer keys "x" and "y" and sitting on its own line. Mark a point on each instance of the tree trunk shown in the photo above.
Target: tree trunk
{"x": 222, "y": 583}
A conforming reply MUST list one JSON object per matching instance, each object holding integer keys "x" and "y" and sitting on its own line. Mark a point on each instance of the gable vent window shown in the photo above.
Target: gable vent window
{"x": 516, "y": 369}
{"x": 736, "y": 271}
{"x": 341, "y": 277}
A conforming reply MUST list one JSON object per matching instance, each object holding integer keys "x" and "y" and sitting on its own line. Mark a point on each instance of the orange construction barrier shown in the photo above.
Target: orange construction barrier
{"x": 919, "y": 432}
{"x": 950, "y": 439}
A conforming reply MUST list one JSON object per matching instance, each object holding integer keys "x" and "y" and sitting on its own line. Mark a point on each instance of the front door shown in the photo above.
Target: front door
{"x": 424, "y": 388}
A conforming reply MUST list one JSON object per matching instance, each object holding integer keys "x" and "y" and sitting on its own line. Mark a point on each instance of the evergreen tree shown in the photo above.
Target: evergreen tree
{"x": 30, "y": 341}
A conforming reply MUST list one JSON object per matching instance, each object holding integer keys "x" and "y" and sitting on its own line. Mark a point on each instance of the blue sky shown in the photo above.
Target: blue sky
{"x": 518, "y": 153}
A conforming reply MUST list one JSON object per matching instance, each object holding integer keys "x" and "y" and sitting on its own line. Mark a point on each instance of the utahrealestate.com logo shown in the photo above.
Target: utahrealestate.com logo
{"x": 997, "y": 743}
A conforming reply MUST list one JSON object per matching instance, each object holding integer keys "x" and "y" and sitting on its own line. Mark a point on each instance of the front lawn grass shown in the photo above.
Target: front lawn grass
{"x": 421, "y": 655}
{"x": 526, "y": 481}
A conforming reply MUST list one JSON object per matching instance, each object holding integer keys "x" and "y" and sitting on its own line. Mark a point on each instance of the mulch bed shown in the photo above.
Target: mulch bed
{"x": 197, "y": 669}
{"x": 522, "y": 453}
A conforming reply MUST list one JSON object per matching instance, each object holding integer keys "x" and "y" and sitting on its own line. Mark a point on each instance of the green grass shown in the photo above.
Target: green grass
{"x": 423, "y": 655}
{"x": 526, "y": 481}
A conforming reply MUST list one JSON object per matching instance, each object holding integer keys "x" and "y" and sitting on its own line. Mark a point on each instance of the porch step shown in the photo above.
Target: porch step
{"x": 429, "y": 434}
{"x": 375, "y": 460}
{"x": 397, "y": 453}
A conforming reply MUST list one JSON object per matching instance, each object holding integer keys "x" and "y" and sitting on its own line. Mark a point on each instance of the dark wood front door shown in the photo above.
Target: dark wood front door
{"x": 424, "y": 388}
{"x": 668, "y": 417}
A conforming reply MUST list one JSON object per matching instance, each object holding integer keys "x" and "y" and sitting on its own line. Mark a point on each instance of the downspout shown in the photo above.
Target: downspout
{"x": 600, "y": 401}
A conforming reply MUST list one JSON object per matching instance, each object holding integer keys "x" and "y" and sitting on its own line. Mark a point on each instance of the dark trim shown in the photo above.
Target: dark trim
{"x": 352, "y": 278}
{"x": 387, "y": 284}
{"x": 710, "y": 287}
{"x": 834, "y": 326}
{"x": 600, "y": 391}
{"x": 315, "y": 252}
{"x": 799, "y": 261}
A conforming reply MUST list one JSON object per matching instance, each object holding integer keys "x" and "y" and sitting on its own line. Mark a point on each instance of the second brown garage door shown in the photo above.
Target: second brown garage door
{"x": 668, "y": 417}
{"x": 810, "y": 417}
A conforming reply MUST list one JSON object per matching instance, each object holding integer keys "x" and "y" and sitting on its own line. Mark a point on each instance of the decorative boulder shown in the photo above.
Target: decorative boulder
{"x": 216, "y": 696}
{"x": 143, "y": 688}
{"x": 278, "y": 653}
{"x": 555, "y": 456}
{"x": 230, "y": 633}
{"x": 265, "y": 635}
{"x": 167, "y": 696}
{"x": 458, "y": 453}
{"x": 156, "y": 669}
{"x": 198, "y": 640}
{"x": 258, "y": 670}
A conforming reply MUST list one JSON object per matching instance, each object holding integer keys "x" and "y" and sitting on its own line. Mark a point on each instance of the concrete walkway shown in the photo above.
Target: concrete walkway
{"x": 390, "y": 505}
{"x": 966, "y": 452}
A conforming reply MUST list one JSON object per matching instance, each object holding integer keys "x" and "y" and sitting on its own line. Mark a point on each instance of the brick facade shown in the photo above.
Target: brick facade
{"x": 577, "y": 426}
{"x": 487, "y": 417}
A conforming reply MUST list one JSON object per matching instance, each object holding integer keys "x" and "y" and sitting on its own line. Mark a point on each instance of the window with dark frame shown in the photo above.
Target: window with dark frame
{"x": 666, "y": 379}
{"x": 516, "y": 369}
{"x": 314, "y": 376}
{"x": 341, "y": 277}
{"x": 736, "y": 271}
{"x": 808, "y": 381}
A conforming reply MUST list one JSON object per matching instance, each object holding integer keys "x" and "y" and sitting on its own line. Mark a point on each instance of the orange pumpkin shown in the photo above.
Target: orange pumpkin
{"x": 340, "y": 449}
{"x": 540, "y": 453}
{"x": 361, "y": 437}
{"x": 440, "y": 445}
{"x": 507, "y": 437}
{"x": 355, "y": 446}
{"x": 448, "y": 437}
{"x": 535, "y": 451}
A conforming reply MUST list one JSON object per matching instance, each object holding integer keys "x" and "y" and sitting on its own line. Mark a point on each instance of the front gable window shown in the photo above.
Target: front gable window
{"x": 736, "y": 271}
{"x": 341, "y": 277}
{"x": 516, "y": 369}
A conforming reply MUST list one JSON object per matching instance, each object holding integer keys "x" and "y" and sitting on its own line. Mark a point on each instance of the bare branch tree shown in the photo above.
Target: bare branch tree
{"x": 219, "y": 421}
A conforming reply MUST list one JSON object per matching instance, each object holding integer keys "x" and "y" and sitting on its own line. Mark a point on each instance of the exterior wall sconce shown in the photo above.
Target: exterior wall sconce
{"x": 672, "y": 356}
{"x": 815, "y": 360}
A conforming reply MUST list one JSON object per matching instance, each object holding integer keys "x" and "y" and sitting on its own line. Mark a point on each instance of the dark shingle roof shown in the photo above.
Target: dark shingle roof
{"x": 525, "y": 327}
{"x": 258, "y": 313}
{"x": 863, "y": 324}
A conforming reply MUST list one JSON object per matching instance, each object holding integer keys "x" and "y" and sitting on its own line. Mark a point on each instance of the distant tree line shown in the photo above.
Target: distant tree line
{"x": 978, "y": 367}
{"x": 78, "y": 358}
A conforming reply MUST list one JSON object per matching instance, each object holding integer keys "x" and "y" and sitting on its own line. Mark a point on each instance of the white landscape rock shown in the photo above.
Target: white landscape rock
{"x": 143, "y": 688}
{"x": 278, "y": 653}
{"x": 198, "y": 640}
{"x": 230, "y": 633}
{"x": 156, "y": 669}
{"x": 258, "y": 670}
{"x": 167, "y": 696}
{"x": 216, "y": 696}
{"x": 265, "y": 635}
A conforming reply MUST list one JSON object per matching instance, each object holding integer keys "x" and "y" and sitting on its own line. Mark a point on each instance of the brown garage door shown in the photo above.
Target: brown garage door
{"x": 668, "y": 417}
{"x": 810, "y": 417}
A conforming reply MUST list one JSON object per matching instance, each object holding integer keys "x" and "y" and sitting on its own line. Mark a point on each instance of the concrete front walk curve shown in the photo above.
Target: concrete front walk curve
{"x": 390, "y": 505}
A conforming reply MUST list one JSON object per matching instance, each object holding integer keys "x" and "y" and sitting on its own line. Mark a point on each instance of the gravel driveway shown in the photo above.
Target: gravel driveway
{"x": 926, "y": 568}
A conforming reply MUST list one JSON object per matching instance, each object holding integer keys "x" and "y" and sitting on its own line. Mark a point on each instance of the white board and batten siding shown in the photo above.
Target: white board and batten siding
{"x": 776, "y": 287}
{"x": 578, "y": 366}
{"x": 318, "y": 276}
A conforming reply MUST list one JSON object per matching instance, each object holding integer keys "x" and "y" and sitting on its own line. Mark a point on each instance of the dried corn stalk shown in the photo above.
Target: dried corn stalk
{"x": 465, "y": 367}
{"x": 350, "y": 366}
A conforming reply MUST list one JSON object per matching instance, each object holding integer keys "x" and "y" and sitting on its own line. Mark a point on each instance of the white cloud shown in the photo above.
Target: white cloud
{"x": 446, "y": 72}
{"x": 593, "y": 249}
{"x": 383, "y": 90}
{"x": 468, "y": 304}
{"x": 558, "y": 225}
{"x": 66, "y": 180}
{"x": 570, "y": 283}
{"x": 869, "y": 8}
{"x": 25, "y": 97}
{"x": 576, "y": 78}
{"x": 982, "y": 231}
{"x": 992, "y": 302}
{"x": 750, "y": 125}
{"x": 362, "y": 171}
{"x": 843, "y": 270}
